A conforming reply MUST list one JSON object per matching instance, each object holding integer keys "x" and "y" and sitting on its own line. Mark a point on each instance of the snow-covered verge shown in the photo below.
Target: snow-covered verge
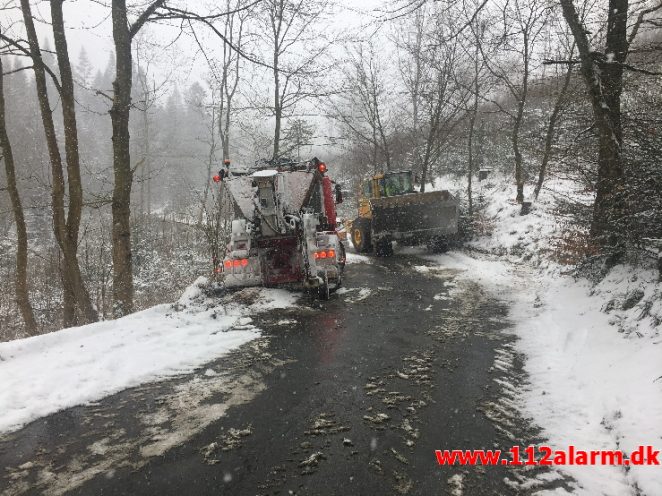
{"x": 44, "y": 374}
{"x": 593, "y": 349}
{"x": 590, "y": 385}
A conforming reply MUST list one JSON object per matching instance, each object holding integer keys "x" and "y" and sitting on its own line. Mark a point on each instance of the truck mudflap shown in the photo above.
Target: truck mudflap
{"x": 281, "y": 261}
{"x": 421, "y": 215}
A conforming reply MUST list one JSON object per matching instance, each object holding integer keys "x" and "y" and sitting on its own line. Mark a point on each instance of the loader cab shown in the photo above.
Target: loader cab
{"x": 398, "y": 183}
{"x": 370, "y": 189}
{"x": 388, "y": 184}
{"x": 373, "y": 187}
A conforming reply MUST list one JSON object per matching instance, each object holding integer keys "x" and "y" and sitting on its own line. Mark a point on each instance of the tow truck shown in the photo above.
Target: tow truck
{"x": 284, "y": 228}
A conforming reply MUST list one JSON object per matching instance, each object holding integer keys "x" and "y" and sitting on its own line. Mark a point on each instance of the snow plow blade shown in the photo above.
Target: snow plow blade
{"x": 416, "y": 216}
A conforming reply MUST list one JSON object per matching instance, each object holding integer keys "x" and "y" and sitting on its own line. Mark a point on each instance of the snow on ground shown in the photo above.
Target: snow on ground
{"x": 353, "y": 258}
{"x": 362, "y": 294}
{"x": 501, "y": 229}
{"x": 591, "y": 386}
{"x": 44, "y": 374}
{"x": 531, "y": 236}
{"x": 593, "y": 351}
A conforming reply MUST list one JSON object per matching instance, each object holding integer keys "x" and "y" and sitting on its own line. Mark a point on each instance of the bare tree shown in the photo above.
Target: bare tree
{"x": 230, "y": 69}
{"x": 551, "y": 125}
{"x": 66, "y": 229}
{"x": 123, "y": 33}
{"x": 148, "y": 101}
{"x": 210, "y": 112}
{"x": 517, "y": 38}
{"x": 363, "y": 108}
{"x": 410, "y": 39}
{"x": 475, "y": 38}
{"x": 288, "y": 28}
{"x": 22, "y": 296}
{"x": 77, "y": 293}
{"x": 602, "y": 71}
{"x": 443, "y": 97}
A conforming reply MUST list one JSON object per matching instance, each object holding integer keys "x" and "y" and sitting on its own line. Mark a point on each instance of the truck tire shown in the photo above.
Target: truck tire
{"x": 438, "y": 244}
{"x": 361, "y": 235}
{"x": 384, "y": 247}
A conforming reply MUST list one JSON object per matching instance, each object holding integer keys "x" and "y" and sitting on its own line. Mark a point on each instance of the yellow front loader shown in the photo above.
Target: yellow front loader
{"x": 389, "y": 209}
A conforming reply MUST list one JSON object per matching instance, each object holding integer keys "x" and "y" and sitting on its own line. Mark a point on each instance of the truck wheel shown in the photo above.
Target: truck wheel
{"x": 384, "y": 247}
{"x": 361, "y": 235}
{"x": 438, "y": 244}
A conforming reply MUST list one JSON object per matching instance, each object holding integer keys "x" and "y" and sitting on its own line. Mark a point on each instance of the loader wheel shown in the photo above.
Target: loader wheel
{"x": 361, "y": 235}
{"x": 384, "y": 247}
{"x": 438, "y": 245}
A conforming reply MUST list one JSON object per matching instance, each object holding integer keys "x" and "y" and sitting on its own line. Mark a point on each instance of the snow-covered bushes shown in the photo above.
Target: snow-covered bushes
{"x": 168, "y": 256}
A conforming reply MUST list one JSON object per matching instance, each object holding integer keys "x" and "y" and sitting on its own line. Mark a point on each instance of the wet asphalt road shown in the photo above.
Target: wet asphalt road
{"x": 351, "y": 396}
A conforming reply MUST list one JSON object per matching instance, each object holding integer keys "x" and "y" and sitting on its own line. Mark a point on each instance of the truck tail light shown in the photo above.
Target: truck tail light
{"x": 237, "y": 262}
{"x": 324, "y": 254}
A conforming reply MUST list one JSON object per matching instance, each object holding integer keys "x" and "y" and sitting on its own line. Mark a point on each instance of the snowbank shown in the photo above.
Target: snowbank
{"x": 48, "y": 373}
{"x": 590, "y": 385}
{"x": 593, "y": 352}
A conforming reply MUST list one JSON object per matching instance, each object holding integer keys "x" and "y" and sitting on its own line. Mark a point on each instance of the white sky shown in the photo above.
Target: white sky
{"x": 88, "y": 25}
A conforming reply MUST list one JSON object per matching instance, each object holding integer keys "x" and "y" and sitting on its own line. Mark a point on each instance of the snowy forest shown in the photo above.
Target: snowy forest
{"x": 115, "y": 115}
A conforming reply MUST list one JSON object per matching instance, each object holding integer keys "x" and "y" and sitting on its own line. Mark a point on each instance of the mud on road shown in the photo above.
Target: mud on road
{"x": 350, "y": 396}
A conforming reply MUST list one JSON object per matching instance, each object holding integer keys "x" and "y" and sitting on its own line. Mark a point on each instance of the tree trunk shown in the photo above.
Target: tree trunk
{"x": 22, "y": 296}
{"x": 123, "y": 175}
{"x": 70, "y": 263}
{"x": 519, "y": 178}
{"x": 604, "y": 82}
{"x": 210, "y": 164}
{"x": 521, "y": 104}
{"x": 551, "y": 126}
{"x": 278, "y": 110}
{"x": 434, "y": 126}
{"x": 380, "y": 127}
{"x": 80, "y": 293}
{"x": 472, "y": 126}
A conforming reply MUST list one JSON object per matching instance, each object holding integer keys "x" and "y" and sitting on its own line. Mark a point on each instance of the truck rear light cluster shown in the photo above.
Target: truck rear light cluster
{"x": 237, "y": 262}
{"x": 325, "y": 254}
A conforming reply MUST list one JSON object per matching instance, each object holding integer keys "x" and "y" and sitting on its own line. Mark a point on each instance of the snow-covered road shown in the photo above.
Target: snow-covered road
{"x": 588, "y": 385}
{"x": 398, "y": 364}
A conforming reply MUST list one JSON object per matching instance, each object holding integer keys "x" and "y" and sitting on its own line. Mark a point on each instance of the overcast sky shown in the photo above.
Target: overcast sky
{"x": 88, "y": 25}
